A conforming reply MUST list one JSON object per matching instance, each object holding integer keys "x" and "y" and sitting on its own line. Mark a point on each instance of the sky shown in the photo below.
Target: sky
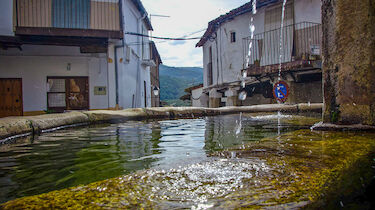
{"x": 186, "y": 17}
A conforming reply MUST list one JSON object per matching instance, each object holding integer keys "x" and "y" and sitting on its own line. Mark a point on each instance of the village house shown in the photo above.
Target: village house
{"x": 194, "y": 94}
{"x": 58, "y": 55}
{"x": 228, "y": 65}
{"x": 154, "y": 75}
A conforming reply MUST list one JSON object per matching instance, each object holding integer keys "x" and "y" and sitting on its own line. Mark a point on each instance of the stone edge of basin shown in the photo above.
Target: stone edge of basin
{"x": 333, "y": 127}
{"x": 13, "y": 127}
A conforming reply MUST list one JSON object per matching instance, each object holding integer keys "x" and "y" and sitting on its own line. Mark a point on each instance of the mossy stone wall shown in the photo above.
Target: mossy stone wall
{"x": 348, "y": 50}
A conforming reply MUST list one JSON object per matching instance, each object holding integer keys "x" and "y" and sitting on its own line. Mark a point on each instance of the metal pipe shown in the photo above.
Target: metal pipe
{"x": 116, "y": 75}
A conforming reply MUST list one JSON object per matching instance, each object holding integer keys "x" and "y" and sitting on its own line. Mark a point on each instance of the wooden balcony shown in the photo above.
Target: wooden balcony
{"x": 300, "y": 50}
{"x": 72, "y": 18}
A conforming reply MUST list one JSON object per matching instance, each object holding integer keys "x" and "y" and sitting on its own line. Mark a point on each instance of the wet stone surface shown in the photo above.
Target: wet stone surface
{"x": 294, "y": 169}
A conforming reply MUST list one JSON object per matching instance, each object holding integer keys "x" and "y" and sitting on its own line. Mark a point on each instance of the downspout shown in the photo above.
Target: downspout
{"x": 221, "y": 59}
{"x": 217, "y": 62}
{"x": 138, "y": 82}
{"x": 122, "y": 26}
{"x": 116, "y": 76}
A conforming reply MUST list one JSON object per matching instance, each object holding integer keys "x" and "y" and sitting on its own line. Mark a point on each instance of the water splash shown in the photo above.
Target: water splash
{"x": 239, "y": 125}
{"x": 243, "y": 84}
{"x": 279, "y": 116}
{"x": 272, "y": 117}
{"x": 281, "y": 39}
{"x": 252, "y": 31}
{"x": 280, "y": 63}
{"x": 244, "y": 74}
{"x": 242, "y": 96}
{"x": 198, "y": 183}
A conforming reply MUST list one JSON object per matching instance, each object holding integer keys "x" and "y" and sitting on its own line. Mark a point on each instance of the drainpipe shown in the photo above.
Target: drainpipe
{"x": 116, "y": 75}
{"x": 138, "y": 91}
{"x": 122, "y": 26}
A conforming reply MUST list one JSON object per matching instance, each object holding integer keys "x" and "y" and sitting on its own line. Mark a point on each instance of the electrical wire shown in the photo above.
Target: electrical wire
{"x": 166, "y": 39}
{"x": 163, "y": 38}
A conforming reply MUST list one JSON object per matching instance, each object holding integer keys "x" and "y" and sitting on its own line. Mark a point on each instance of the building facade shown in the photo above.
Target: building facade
{"x": 73, "y": 55}
{"x": 154, "y": 75}
{"x": 227, "y": 58}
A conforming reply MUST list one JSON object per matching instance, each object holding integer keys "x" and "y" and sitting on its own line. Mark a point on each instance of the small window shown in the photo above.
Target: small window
{"x": 232, "y": 37}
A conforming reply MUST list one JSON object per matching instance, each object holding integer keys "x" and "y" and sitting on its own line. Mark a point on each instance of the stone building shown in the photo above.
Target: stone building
{"x": 226, "y": 57}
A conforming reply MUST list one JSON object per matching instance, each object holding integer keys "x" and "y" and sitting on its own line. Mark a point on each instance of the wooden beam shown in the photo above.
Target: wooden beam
{"x": 55, "y": 40}
{"x": 93, "y": 49}
{"x": 45, "y": 31}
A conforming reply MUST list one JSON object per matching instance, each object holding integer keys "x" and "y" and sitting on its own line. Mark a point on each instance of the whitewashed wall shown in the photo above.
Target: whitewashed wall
{"x": 196, "y": 97}
{"x": 132, "y": 74}
{"x": 111, "y": 89}
{"x": 6, "y": 18}
{"x": 227, "y": 67}
{"x": 35, "y": 63}
{"x": 307, "y": 11}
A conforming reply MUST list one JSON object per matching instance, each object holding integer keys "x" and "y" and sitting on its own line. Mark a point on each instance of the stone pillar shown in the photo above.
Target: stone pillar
{"x": 232, "y": 97}
{"x": 214, "y": 98}
{"x": 348, "y": 49}
{"x": 204, "y": 100}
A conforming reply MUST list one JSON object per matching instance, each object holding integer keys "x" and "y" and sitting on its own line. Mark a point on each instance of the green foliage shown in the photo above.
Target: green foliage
{"x": 174, "y": 81}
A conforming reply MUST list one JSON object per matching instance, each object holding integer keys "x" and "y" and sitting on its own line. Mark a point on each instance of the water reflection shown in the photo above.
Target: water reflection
{"x": 76, "y": 156}
{"x": 71, "y": 157}
{"x": 221, "y": 131}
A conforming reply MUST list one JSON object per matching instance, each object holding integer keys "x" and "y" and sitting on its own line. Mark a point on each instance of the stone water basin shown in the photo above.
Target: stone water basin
{"x": 272, "y": 162}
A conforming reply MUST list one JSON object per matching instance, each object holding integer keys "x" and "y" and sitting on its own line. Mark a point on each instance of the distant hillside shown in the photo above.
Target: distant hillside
{"x": 174, "y": 80}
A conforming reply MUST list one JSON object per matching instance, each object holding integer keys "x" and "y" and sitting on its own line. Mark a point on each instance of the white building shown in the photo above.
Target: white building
{"x": 226, "y": 45}
{"x": 73, "y": 55}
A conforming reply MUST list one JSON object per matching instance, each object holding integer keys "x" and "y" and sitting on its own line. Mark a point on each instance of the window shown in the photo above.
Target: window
{"x": 209, "y": 68}
{"x": 273, "y": 17}
{"x": 67, "y": 93}
{"x": 232, "y": 37}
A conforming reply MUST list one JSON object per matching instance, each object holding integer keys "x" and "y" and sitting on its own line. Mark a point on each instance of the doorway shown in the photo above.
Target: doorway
{"x": 11, "y": 103}
{"x": 67, "y": 93}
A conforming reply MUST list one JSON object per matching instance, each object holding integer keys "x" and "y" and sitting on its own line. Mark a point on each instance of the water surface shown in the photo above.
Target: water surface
{"x": 77, "y": 156}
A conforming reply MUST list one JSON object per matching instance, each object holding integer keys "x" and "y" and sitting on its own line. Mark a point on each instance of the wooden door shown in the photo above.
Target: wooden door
{"x": 11, "y": 97}
{"x": 77, "y": 93}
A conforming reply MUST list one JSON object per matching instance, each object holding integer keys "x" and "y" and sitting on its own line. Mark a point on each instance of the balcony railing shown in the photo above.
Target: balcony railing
{"x": 301, "y": 42}
{"x": 68, "y": 14}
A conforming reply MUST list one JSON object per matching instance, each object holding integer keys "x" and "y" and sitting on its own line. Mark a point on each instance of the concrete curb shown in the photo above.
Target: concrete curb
{"x": 12, "y": 126}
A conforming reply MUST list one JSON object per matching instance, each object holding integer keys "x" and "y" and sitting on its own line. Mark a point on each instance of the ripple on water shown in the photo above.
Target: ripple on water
{"x": 200, "y": 182}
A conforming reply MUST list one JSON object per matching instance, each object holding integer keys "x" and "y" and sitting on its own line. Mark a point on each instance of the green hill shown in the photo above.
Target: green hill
{"x": 174, "y": 80}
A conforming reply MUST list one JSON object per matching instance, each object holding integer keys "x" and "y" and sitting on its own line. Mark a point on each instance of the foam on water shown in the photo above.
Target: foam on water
{"x": 198, "y": 183}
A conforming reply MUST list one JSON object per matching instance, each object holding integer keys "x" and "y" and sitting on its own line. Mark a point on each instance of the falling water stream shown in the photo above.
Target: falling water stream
{"x": 242, "y": 96}
{"x": 281, "y": 60}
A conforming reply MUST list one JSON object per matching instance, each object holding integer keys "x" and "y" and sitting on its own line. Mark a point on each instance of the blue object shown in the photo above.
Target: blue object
{"x": 281, "y": 91}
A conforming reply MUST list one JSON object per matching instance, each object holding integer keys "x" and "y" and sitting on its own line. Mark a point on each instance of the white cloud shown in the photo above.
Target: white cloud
{"x": 185, "y": 17}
